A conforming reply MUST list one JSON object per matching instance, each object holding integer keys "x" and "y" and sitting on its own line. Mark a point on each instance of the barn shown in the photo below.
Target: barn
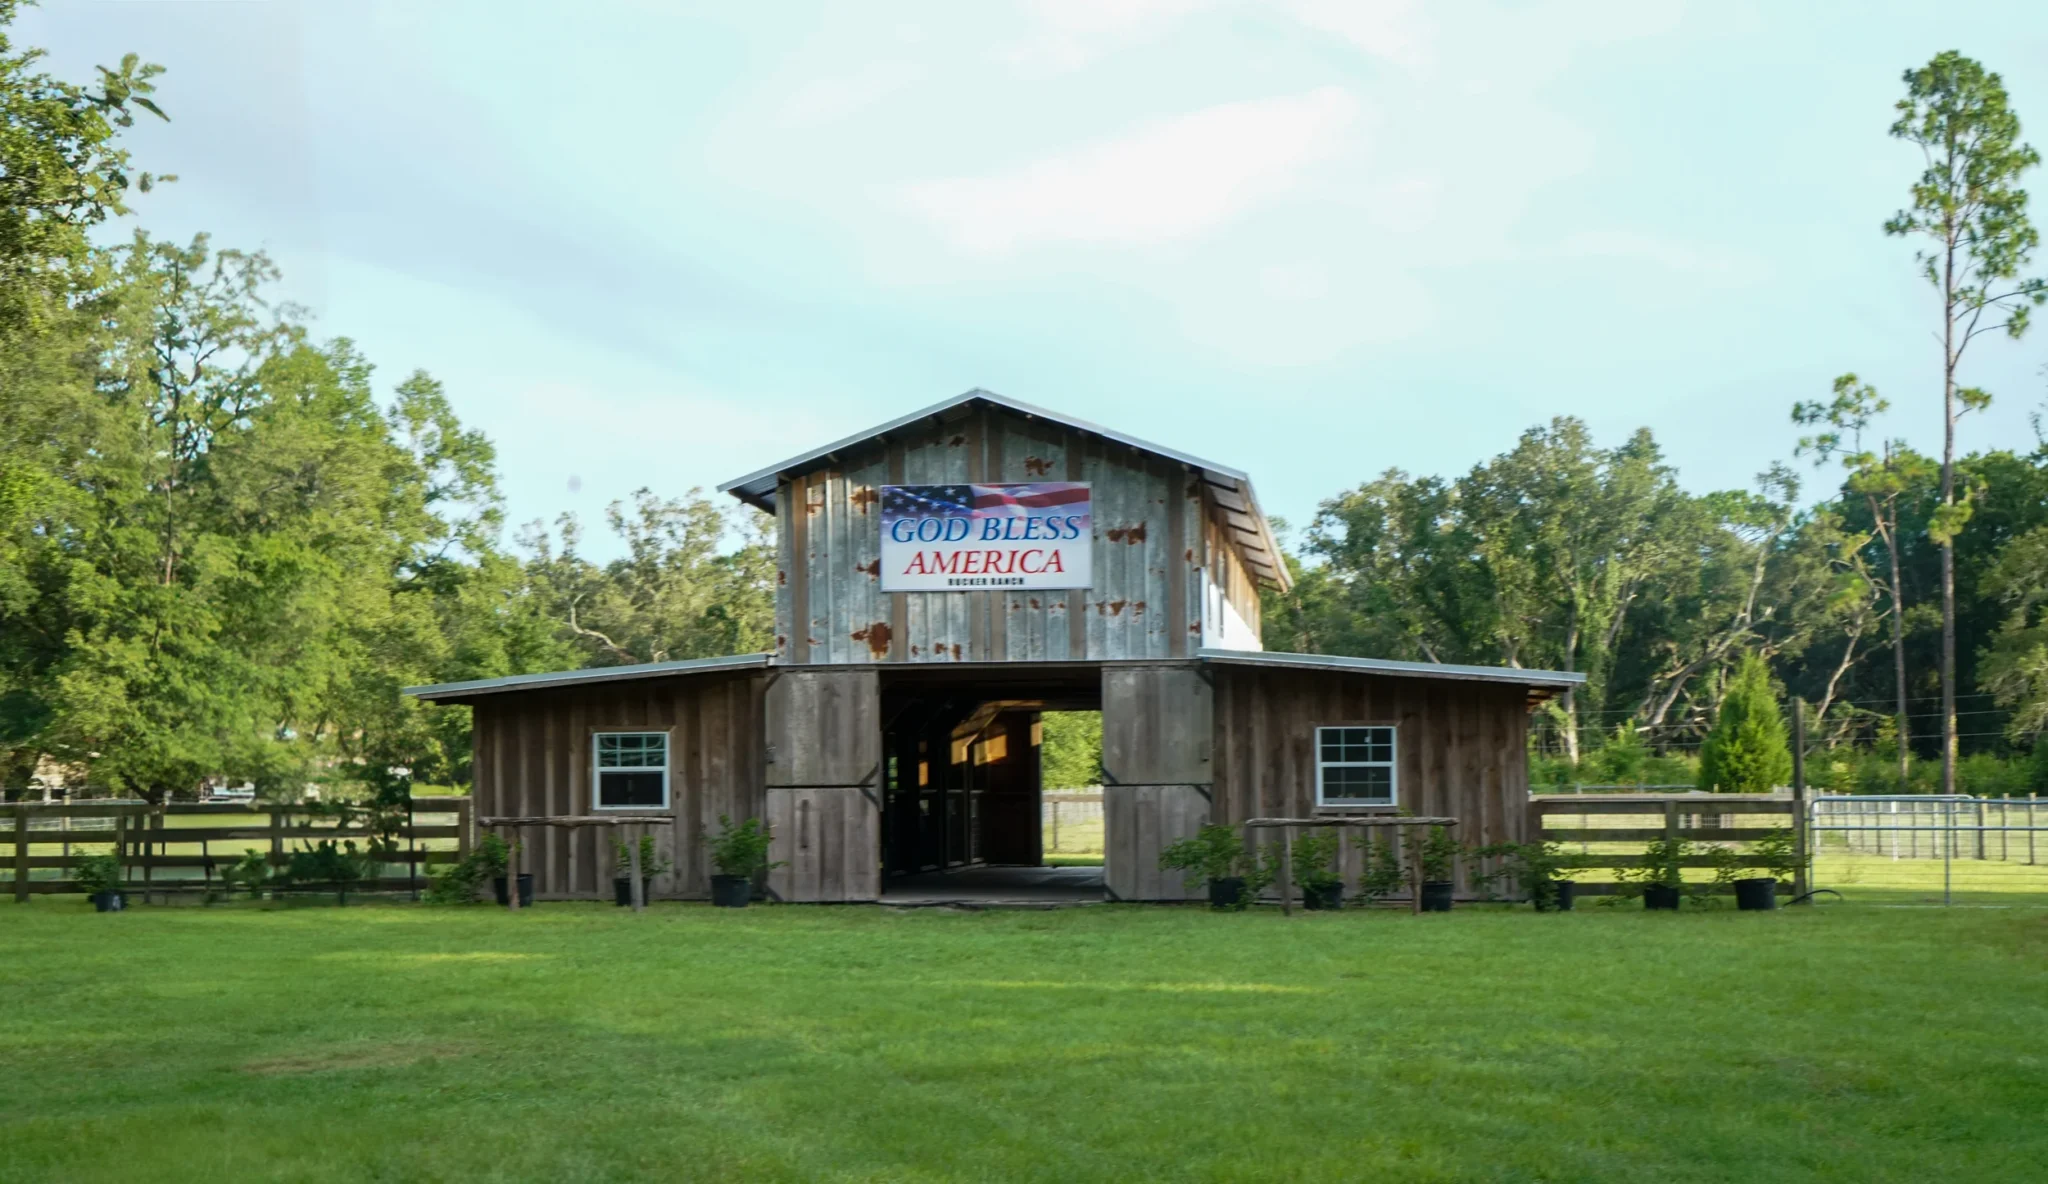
{"x": 945, "y": 578}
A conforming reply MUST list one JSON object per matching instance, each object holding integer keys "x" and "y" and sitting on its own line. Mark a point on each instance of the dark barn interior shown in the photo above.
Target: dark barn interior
{"x": 961, "y": 772}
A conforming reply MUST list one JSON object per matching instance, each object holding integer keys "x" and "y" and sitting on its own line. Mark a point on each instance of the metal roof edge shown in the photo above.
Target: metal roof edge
{"x": 1507, "y": 674}
{"x": 561, "y": 678}
{"x": 988, "y": 396}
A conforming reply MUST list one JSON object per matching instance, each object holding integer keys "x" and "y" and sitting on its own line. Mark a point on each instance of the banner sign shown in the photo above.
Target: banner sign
{"x": 949, "y": 538}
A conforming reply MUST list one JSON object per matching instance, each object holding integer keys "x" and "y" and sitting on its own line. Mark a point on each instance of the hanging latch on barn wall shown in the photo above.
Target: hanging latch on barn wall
{"x": 803, "y": 826}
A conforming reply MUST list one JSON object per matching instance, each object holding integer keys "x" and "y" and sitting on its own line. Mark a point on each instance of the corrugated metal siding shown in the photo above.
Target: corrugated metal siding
{"x": 1148, "y": 585}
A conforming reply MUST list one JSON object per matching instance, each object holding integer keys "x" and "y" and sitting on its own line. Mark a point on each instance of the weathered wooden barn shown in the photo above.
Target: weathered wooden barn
{"x": 944, "y": 579}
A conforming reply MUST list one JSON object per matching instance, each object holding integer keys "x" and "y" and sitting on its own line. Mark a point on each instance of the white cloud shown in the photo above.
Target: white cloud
{"x": 1169, "y": 180}
{"x": 1072, "y": 33}
{"x": 826, "y": 100}
{"x": 1392, "y": 30}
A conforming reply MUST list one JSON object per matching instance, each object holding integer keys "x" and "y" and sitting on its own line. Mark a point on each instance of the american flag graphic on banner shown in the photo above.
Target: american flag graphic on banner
{"x": 961, "y": 537}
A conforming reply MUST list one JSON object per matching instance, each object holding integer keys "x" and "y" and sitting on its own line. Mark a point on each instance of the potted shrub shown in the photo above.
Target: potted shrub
{"x": 1437, "y": 852}
{"x": 652, "y": 864}
{"x": 1539, "y": 869}
{"x": 1758, "y": 893}
{"x": 99, "y": 877}
{"x": 1315, "y": 872}
{"x": 1217, "y": 855}
{"x": 740, "y": 853}
{"x": 494, "y": 857}
{"x": 1660, "y": 877}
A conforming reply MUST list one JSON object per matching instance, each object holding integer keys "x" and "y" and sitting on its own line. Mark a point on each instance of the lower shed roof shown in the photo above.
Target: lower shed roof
{"x": 1541, "y": 684}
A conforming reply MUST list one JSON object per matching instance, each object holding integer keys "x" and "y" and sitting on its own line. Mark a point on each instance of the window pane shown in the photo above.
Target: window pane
{"x": 629, "y": 789}
{"x": 628, "y": 750}
{"x": 1358, "y": 783}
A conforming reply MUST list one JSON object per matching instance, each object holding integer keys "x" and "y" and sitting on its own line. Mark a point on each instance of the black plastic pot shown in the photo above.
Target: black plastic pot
{"x": 1436, "y": 896}
{"x": 1757, "y": 894}
{"x": 622, "y": 890}
{"x": 1559, "y": 899}
{"x": 525, "y": 890}
{"x": 1660, "y": 896}
{"x": 731, "y": 892}
{"x": 1326, "y": 898}
{"x": 1226, "y": 893}
{"x": 109, "y": 902}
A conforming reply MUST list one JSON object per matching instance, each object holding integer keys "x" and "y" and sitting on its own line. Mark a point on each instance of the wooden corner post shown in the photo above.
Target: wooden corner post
{"x": 1799, "y": 835}
{"x": 21, "y": 854}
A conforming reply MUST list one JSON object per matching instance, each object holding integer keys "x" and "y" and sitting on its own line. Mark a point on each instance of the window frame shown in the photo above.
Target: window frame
{"x": 1392, "y": 765}
{"x": 597, "y": 770}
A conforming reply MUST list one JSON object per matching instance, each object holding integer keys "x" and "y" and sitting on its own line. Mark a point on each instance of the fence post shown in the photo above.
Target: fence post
{"x": 276, "y": 837}
{"x": 1799, "y": 849}
{"x": 21, "y": 855}
{"x": 1287, "y": 872}
{"x": 1980, "y": 828}
{"x": 2005, "y": 829}
{"x": 2031, "y": 798}
{"x": 1948, "y": 849}
{"x": 464, "y": 811}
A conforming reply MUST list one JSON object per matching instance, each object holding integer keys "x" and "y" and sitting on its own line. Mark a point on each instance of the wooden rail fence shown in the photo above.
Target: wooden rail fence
{"x": 1608, "y": 822}
{"x": 145, "y": 839}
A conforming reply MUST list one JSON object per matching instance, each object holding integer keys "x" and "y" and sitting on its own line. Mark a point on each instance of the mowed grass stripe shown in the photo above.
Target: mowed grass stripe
{"x": 578, "y": 1042}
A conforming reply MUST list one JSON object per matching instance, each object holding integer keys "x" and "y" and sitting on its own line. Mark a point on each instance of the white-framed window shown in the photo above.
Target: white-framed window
{"x": 632, "y": 771}
{"x": 1355, "y": 765}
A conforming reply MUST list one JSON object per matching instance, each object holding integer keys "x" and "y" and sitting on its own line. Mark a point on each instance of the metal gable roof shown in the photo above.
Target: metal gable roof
{"x": 1541, "y": 683}
{"x": 458, "y": 691}
{"x": 1231, "y": 488}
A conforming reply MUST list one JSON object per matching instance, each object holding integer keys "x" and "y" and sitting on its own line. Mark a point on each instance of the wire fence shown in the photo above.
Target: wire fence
{"x": 1922, "y": 848}
{"x": 1071, "y": 822}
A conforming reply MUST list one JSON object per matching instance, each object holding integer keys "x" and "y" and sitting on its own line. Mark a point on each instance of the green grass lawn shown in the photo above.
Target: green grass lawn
{"x": 576, "y": 1042}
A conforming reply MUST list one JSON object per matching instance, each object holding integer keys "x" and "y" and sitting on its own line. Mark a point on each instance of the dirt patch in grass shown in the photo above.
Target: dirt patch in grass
{"x": 352, "y": 1056}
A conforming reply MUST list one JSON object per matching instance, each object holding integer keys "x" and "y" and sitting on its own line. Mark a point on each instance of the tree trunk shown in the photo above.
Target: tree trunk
{"x": 1949, "y": 358}
{"x": 1899, "y": 648}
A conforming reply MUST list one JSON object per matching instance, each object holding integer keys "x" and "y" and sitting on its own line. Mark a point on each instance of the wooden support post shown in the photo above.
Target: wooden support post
{"x": 1413, "y": 854}
{"x": 636, "y": 889}
{"x": 1799, "y": 819}
{"x": 2032, "y": 798}
{"x": 512, "y": 869}
{"x": 152, "y": 836}
{"x": 21, "y": 855}
{"x": 1286, "y": 871}
{"x": 276, "y": 838}
{"x": 465, "y": 816}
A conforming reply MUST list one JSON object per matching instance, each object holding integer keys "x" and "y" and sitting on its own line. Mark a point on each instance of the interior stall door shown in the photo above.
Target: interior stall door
{"x": 824, "y": 785}
{"x": 1156, "y": 774}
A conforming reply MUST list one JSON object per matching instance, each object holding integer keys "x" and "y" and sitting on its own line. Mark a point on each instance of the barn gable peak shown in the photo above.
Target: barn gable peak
{"x": 1230, "y": 489}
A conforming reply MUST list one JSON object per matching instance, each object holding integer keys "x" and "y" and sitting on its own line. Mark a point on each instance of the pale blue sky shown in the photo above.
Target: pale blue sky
{"x": 664, "y": 244}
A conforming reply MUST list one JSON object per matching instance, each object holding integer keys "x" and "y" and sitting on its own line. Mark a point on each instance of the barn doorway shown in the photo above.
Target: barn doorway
{"x": 963, "y": 779}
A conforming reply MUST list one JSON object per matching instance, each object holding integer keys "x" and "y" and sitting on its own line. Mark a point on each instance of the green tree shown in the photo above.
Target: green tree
{"x": 1746, "y": 752}
{"x": 1878, "y": 476}
{"x": 1970, "y": 209}
{"x": 1071, "y": 752}
{"x": 683, "y": 589}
